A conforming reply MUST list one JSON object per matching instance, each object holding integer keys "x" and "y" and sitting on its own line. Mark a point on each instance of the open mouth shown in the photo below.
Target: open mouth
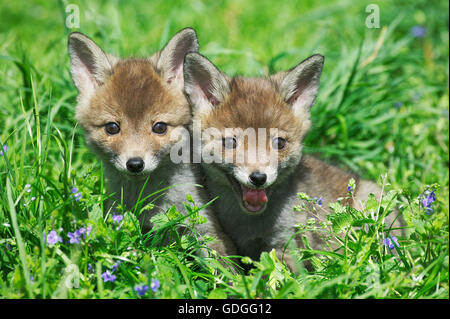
{"x": 253, "y": 200}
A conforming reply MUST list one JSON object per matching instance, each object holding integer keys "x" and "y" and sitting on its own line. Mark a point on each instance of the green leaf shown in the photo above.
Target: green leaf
{"x": 217, "y": 293}
{"x": 95, "y": 214}
{"x": 173, "y": 213}
{"x": 419, "y": 225}
{"x": 189, "y": 198}
{"x": 340, "y": 221}
{"x": 372, "y": 204}
{"x": 159, "y": 220}
{"x": 303, "y": 196}
{"x": 266, "y": 263}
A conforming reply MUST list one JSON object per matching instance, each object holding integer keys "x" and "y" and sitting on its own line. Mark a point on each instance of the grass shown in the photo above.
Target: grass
{"x": 382, "y": 112}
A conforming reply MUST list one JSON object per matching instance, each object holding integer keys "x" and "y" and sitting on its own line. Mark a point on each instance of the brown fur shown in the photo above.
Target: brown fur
{"x": 319, "y": 179}
{"x": 254, "y": 103}
{"x": 137, "y": 97}
{"x": 283, "y": 102}
{"x": 135, "y": 94}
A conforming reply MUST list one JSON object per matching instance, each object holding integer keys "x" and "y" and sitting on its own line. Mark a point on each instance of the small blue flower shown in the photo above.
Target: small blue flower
{"x": 4, "y": 150}
{"x": 80, "y": 232}
{"x": 318, "y": 200}
{"x": 88, "y": 230}
{"x": 53, "y": 238}
{"x": 115, "y": 266}
{"x": 391, "y": 244}
{"x": 418, "y": 31}
{"x": 117, "y": 218}
{"x": 349, "y": 188}
{"x": 141, "y": 289}
{"x": 90, "y": 269}
{"x": 74, "y": 239}
{"x": 428, "y": 198}
{"x": 108, "y": 276}
{"x": 78, "y": 196}
{"x": 155, "y": 285}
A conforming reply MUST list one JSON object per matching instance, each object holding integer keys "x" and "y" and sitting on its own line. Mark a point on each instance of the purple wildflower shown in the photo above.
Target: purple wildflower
{"x": 155, "y": 285}
{"x": 391, "y": 244}
{"x": 76, "y": 194}
{"x": 4, "y": 150}
{"x": 108, "y": 276}
{"x": 318, "y": 200}
{"x": 349, "y": 188}
{"x": 53, "y": 238}
{"x": 418, "y": 31}
{"x": 90, "y": 269}
{"x": 141, "y": 289}
{"x": 117, "y": 218}
{"x": 88, "y": 230}
{"x": 80, "y": 232}
{"x": 115, "y": 266}
{"x": 428, "y": 198}
{"x": 74, "y": 239}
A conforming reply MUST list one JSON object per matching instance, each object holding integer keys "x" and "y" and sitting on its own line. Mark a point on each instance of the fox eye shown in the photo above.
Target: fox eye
{"x": 278, "y": 143}
{"x": 229, "y": 142}
{"x": 112, "y": 128}
{"x": 159, "y": 128}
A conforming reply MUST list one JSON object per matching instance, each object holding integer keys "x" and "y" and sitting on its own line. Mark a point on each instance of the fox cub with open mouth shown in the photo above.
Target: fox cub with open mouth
{"x": 257, "y": 191}
{"x": 128, "y": 109}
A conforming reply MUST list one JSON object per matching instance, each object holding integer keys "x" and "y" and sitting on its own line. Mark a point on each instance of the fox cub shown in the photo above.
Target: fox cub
{"x": 258, "y": 192}
{"x": 128, "y": 109}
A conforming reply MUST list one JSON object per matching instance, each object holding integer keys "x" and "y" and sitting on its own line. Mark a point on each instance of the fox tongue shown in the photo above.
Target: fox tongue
{"x": 254, "y": 199}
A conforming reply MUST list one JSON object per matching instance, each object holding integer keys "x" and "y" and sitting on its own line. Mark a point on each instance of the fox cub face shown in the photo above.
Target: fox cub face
{"x": 252, "y": 127}
{"x": 128, "y": 108}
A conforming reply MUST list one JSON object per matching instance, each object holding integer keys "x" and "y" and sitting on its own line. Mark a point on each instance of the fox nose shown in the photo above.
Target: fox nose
{"x": 257, "y": 178}
{"x": 135, "y": 164}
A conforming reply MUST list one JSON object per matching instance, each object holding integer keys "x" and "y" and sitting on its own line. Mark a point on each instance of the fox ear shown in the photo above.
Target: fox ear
{"x": 170, "y": 61}
{"x": 205, "y": 85}
{"x": 89, "y": 65}
{"x": 299, "y": 85}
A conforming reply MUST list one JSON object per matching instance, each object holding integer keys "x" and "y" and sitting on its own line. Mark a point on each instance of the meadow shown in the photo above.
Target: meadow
{"x": 382, "y": 111}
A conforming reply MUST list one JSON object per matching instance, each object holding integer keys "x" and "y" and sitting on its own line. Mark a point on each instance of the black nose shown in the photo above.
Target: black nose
{"x": 135, "y": 164}
{"x": 257, "y": 178}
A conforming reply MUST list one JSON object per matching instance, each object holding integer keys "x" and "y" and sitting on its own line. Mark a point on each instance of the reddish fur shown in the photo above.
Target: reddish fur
{"x": 137, "y": 97}
{"x": 255, "y": 103}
